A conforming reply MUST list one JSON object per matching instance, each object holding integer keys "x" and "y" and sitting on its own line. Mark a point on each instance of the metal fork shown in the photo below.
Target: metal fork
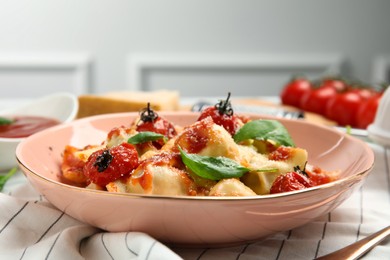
{"x": 359, "y": 248}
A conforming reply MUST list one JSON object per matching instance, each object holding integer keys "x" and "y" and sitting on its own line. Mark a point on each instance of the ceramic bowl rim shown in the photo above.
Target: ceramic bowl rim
{"x": 348, "y": 179}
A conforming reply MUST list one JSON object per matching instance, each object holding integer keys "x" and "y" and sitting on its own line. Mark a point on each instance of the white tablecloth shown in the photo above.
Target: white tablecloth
{"x": 31, "y": 228}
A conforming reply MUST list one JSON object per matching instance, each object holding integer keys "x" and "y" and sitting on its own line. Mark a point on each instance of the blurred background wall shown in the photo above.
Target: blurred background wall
{"x": 198, "y": 47}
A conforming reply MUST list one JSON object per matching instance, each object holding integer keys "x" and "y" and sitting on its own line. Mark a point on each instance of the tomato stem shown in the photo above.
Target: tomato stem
{"x": 303, "y": 171}
{"x": 148, "y": 115}
{"x": 224, "y": 106}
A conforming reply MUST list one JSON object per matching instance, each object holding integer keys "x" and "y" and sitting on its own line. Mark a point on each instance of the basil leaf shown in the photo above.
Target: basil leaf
{"x": 5, "y": 178}
{"x": 212, "y": 168}
{"x": 143, "y": 137}
{"x": 266, "y": 170}
{"x": 5, "y": 121}
{"x": 264, "y": 130}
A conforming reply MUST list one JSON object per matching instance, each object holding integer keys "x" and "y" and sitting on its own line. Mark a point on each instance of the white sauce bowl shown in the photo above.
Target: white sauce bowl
{"x": 62, "y": 107}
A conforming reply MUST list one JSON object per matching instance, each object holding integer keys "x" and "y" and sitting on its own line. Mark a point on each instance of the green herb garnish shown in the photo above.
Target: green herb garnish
{"x": 143, "y": 137}
{"x": 266, "y": 170}
{"x": 5, "y": 178}
{"x": 264, "y": 130}
{"x": 5, "y": 121}
{"x": 348, "y": 130}
{"x": 212, "y": 168}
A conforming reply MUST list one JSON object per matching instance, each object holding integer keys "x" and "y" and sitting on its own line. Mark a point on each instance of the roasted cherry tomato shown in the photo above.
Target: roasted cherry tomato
{"x": 294, "y": 90}
{"x": 152, "y": 122}
{"x": 343, "y": 108}
{"x": 159, "y": 125}
{"x": 289, "y": 182}
{"x": 107, "y": 165}
{"x": 223, "y": 115}
{"x": 367, "y": 110}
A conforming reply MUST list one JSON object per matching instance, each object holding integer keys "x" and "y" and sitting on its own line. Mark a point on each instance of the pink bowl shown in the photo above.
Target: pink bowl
{"x": 194, "y": 221}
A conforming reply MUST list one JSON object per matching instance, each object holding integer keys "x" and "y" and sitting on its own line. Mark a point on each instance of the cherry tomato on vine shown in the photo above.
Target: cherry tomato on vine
{"x": 365, "y": 114}
{"x": 223, "y": 115}
{"x": 289, "y": 182}
{"x": 338, "y": 84}
{"x": 365, "y": 93}
{"x": 294, "y": 90}
{"x": 343, "y": 108}
{"x": 107, "y": 165}
{"x": 317, "y": 99}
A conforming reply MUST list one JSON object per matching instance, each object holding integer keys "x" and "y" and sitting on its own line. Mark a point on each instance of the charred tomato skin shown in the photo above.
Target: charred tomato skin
{"x": 107, "y": 165}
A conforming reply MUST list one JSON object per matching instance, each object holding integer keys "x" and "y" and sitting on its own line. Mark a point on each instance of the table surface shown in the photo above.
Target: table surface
{"x": 21, "y": 208}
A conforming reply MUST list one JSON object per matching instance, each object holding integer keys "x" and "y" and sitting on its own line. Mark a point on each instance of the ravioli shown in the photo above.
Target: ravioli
{"x": 162, "y": 171}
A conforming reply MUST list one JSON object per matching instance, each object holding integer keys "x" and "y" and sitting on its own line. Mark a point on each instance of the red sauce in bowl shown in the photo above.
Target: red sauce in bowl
{"x": 23, "y": 126}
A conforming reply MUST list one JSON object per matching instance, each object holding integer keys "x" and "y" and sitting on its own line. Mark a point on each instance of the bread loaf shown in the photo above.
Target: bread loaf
{"x": 127, "y": 101}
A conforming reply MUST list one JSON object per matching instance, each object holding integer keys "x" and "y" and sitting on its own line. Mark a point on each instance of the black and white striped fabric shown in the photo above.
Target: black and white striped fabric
{"x": 31, "y": 228}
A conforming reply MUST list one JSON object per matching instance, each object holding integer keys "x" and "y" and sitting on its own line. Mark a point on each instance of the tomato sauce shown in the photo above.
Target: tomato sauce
{"x": 318, "y": 177}
{"x": 23, "y": 126}
{"x": 281, "y": 154}
{"x": 196, "y": 137}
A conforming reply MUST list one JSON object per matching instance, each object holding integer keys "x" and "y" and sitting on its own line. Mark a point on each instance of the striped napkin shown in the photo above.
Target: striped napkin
{"x": 31, "y": 228}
